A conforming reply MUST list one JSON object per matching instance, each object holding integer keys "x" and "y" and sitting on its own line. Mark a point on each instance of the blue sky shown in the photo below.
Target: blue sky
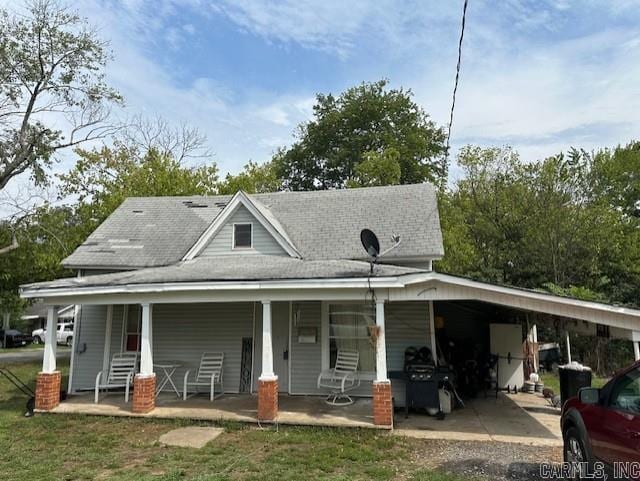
{"x": 540, "y": 76}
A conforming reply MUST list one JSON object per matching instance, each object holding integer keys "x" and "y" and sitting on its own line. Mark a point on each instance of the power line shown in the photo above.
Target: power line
{"x": 455, "y": 84}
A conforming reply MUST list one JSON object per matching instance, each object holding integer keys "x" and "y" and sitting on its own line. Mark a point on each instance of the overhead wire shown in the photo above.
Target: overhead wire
{"x": 455, "y": 86}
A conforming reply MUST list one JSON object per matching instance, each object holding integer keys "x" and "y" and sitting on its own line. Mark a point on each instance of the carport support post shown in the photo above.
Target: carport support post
{"x": 382, "y": 397}
{"x": 268, "y": 381}
{"x": 144, "y": 383}
{"x": 48, "y": 380}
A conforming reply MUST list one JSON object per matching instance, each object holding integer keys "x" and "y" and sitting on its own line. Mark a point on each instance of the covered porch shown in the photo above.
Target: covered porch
{"x": 290, "y": 336}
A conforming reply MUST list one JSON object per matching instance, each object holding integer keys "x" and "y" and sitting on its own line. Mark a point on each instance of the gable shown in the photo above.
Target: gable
{"x": 222, "y": 242}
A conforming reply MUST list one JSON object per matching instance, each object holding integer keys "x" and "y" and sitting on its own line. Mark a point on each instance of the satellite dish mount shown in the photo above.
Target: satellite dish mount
{"x": 371, "y": 245}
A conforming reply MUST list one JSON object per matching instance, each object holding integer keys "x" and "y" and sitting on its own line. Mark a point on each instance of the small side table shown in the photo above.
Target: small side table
{"x": 166, "y": 370}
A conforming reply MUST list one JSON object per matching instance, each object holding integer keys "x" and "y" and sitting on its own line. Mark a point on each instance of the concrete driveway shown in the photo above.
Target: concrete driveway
{"x": 27, "y": 355}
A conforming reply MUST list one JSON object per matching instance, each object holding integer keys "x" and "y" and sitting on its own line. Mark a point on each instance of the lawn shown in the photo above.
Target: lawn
{"x": 551, "y": 380}
{"x": 57, "y": 447}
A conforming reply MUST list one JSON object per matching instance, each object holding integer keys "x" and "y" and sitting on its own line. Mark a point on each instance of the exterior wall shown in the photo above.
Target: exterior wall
{"x": 306, "y": 359}
{"x": 222, "y": 243}
{"x": 90, "y": 346}
{"x": 406, "y": 323}
{"x": 182, "y": 332}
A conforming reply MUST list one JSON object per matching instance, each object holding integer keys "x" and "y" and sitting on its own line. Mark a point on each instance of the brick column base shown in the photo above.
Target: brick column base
{"x": 48, "y": 390}
{"x": 144, "y": 393}
{"x": 382, "y": 404}
{"x": 268, "y": 400}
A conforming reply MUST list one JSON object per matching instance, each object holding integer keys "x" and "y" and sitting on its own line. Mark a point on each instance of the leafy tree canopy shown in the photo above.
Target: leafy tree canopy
{"x": 253, "y": 179}
{"x": 51, "y": 62}
{"x": 370, "y": 124}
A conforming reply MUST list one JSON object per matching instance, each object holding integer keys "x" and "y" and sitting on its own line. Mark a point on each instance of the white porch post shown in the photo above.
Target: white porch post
{"x": 536, "y": 356}
{"x": 267, "y": 344}
{"x": 381, "y": 345}
{"x": 50, "y": 341}
{"x": 146, "y": 342}
{"x": 636, "y": 350}
{"x": 568, "y": 348}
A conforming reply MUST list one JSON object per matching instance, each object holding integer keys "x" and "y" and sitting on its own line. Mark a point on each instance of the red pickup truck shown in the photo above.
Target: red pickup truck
{"x": 603, "y": 425}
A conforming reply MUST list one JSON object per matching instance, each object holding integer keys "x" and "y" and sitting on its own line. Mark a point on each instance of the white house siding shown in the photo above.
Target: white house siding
{"x": 222, "y": 243}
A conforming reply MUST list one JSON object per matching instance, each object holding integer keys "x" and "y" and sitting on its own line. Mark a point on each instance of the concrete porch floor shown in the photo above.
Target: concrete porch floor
{"x": 512, "y": 418}
{"x": 304, "y": 410}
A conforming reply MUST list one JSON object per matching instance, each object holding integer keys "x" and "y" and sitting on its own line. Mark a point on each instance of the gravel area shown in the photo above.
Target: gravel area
{"x": 485, "y": 460}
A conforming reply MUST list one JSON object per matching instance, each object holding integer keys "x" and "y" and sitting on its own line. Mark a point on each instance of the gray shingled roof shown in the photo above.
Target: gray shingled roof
{"x": 157, "y": 231}
{"x": 233, "y": 268}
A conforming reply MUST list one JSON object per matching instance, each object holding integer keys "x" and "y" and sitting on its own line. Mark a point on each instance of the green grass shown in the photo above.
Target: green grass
{"x": 63, "y": 447}
{"x": 552, "y": 381}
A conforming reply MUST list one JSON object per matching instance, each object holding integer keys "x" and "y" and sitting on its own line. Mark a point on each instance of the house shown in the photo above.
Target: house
{"x": 279, "y": 283}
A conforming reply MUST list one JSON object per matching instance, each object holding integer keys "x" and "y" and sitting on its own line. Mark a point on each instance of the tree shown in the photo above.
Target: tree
{"x": 377, "y": 168}
{"x": 103, "y": 178}
{"x": 52, "y": 68}
{"x": 254, "y": 179}
{"x": 364, "y": 121}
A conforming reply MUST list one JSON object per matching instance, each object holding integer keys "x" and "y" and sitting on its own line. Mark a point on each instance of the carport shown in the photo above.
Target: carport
{"x": 465, "y": 312}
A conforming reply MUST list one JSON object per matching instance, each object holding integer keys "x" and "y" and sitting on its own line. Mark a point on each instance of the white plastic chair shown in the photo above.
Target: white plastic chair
{"x": 121, "y": 372}
{"x": 209, "y": 374}
{"x": 341, "y": 378}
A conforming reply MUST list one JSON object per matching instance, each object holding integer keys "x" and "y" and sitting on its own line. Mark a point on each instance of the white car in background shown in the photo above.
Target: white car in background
{"x": 64, "y": 334}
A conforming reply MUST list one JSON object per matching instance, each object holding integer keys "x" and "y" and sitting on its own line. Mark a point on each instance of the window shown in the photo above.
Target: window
{"x": 349, "y": 329}
{"x": 626, "y": 393}
{"x": 242, "y": 236}
{"x": 68, "y": 327}
{"x": 132, "y": 331}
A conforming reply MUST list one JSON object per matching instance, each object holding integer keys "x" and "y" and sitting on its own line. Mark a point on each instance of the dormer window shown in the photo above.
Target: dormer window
{"x": 242, "y": 236}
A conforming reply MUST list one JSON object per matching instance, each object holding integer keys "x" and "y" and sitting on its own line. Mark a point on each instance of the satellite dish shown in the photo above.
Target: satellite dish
{"x": 370, "y": 242}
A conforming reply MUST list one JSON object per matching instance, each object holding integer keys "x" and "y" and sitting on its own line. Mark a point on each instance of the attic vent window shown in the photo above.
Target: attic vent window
{"x": 242, "y": 236}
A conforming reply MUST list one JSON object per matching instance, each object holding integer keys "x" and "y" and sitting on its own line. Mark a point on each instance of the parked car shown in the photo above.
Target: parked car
{"x": 603, "y": 425}
{"x": 64, "y": 334}
{"x": 14, "y": 338}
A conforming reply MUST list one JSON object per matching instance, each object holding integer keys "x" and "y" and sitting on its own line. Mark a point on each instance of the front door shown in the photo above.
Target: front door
{"x": 280, "y": 340}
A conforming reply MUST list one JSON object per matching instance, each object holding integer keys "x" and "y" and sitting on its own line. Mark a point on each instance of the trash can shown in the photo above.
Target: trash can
{"x": 573, "y": 377}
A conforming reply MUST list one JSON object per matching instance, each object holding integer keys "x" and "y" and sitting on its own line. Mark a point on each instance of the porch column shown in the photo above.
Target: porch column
{"x": 268, "y": 381}
{"x": 636, "y": 350}
{"x": 568, "y": 349}
{"x": 144, "y": 384}
{"x": 382, "y": 397}
{"x": 49, "y": 379}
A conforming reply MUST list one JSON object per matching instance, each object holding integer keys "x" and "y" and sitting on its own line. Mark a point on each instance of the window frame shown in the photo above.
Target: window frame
{"x": 612, "y": 392}
{"x": 137, "y": 317}
{"x": 360, "y": 373}
{"x": 233, "y": 236}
